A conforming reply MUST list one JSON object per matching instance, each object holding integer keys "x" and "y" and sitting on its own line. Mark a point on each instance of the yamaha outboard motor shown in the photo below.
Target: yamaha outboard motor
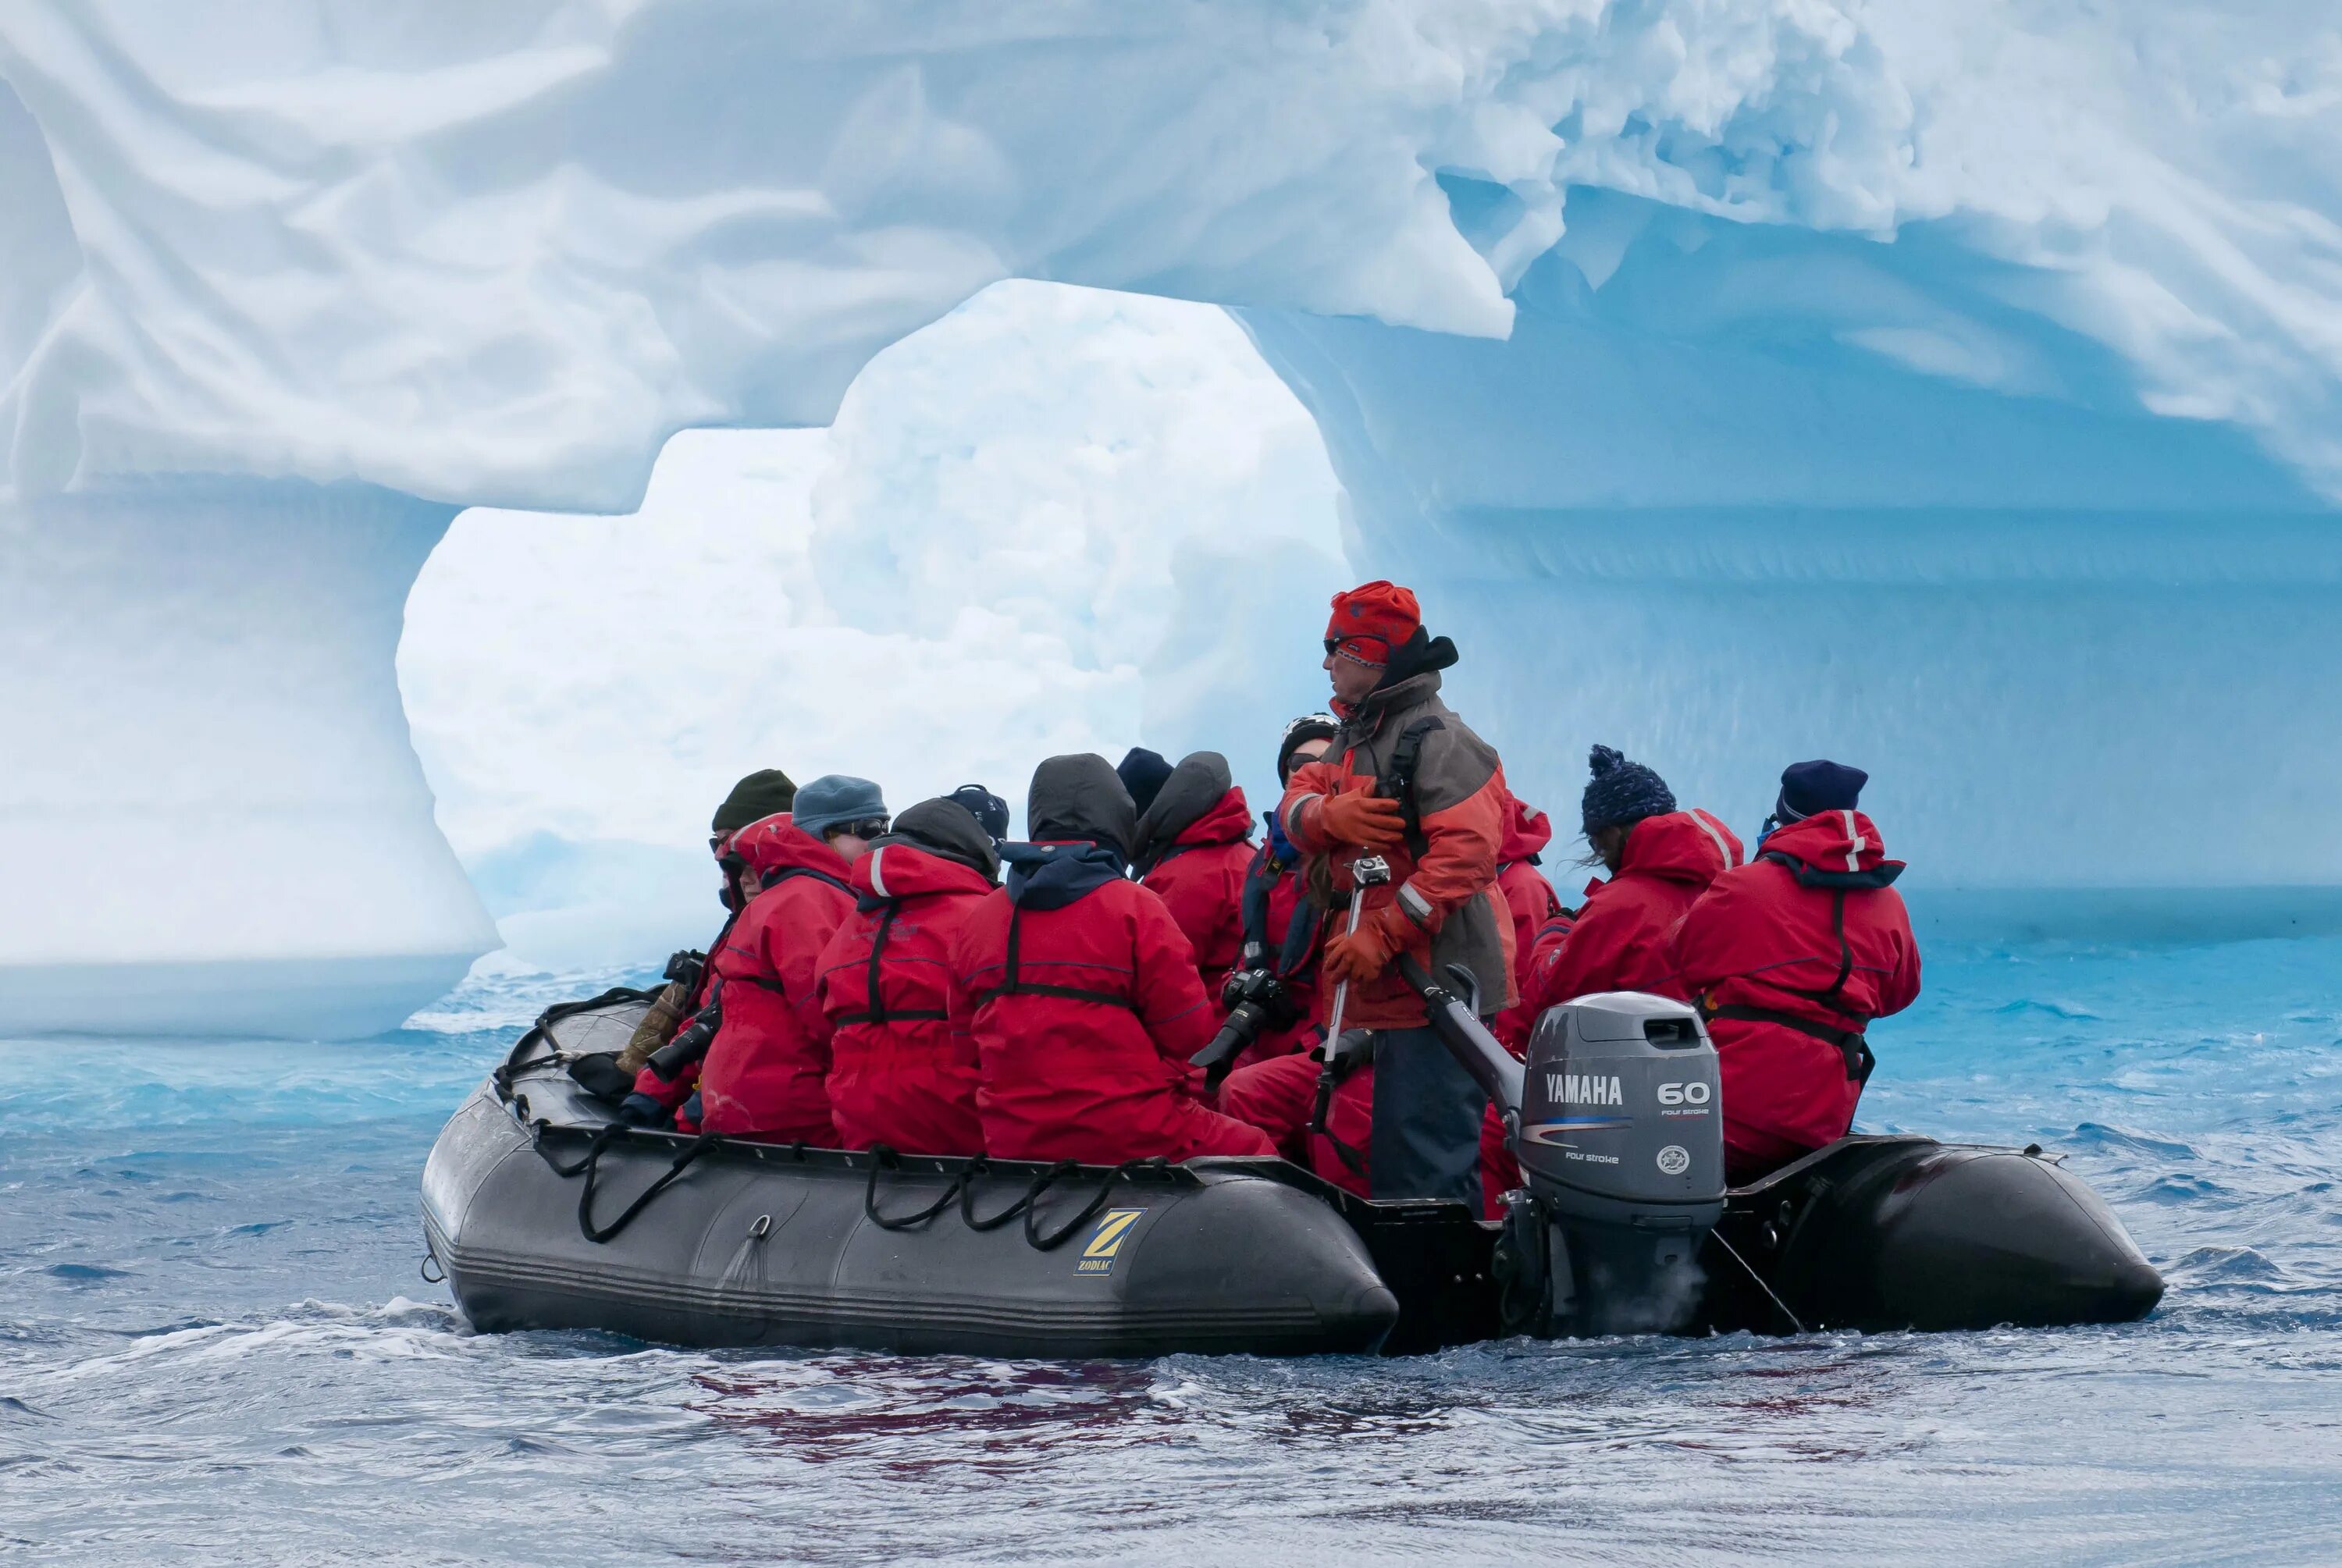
{"x": 1621, "y": 1145}
{"x": 1617, "y": 1121}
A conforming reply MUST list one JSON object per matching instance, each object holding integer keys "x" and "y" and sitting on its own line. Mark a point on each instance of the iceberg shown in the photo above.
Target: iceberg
{"x": 1956, "y": 385}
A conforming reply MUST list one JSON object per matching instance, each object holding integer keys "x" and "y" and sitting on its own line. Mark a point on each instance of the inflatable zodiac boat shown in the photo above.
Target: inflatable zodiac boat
{"x": 544, "y": 1212}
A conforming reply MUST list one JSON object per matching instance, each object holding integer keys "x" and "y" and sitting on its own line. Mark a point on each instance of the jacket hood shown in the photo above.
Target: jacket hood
{"x": 1680, "y": 846}
{"x": 1526, "y": 831}
{"x": 1193, "y": 807}
{"x": 775, "y": 844}
{"x": 1833, "y": 849}
{"x": 947, "y": 828}
{"x": 1052, "y": 875}
{"x": 901, "y": 867}
{"x": 1081, "y": 797}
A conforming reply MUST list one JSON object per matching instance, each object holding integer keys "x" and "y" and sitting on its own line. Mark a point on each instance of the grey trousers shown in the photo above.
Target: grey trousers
{"x": 1427, "y": 1126}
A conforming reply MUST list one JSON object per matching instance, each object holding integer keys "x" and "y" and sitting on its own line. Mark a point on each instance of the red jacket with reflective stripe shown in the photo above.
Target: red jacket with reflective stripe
{"x": 1839, "y": 956}
{"x": 897, "y": 1075}
{"x": 764, "y": 1072}
{"x": 1201, "y": 881}
{"x": 1102, "y": 1077}
{"x": 1619, "y": 942}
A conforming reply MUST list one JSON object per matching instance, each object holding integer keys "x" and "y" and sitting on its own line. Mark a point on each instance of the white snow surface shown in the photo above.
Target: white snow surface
{"x": 1057, "y": 520}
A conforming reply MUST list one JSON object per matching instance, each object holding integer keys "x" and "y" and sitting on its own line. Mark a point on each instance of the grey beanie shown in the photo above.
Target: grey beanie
{"x": 834, "y": 800}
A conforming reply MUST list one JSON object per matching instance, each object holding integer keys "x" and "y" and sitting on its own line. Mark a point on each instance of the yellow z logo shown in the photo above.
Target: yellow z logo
{"x": 1106, "y": 1242}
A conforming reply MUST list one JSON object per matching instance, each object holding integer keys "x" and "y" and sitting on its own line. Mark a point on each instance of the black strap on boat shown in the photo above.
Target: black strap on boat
{"x": 976, "y": 1166}
{"x": 590, "y": 1166}
{"x": 883, "y": 1158}
{"x": 503, "y": 1074}
{"x": 1013, "y": 984}
{"x": 1041, "y": 1182}
{"x": 1850, "y": 1043}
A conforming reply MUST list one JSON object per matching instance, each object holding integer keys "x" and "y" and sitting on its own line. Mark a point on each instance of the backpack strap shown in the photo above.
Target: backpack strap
{"x": 1398, "y": 779}
{"x": 1013, "y": 984}
{"x": 877, "y": 1010}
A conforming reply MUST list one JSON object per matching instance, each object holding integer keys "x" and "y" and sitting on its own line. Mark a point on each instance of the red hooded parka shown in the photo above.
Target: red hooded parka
{"x": 764, "y": 1076}
{"x": 897, "y": 1075}
{"x": 1812, "y": 933}
{"x": 1083, "y": 1040}
{"x": 1200, "y": 879}
{"x": 1530, "y": 900}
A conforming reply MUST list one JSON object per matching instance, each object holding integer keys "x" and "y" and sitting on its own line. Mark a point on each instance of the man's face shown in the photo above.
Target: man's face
{"x": 1352, "y": 680}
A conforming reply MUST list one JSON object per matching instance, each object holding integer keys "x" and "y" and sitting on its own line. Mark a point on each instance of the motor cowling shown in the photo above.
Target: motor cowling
{"x": 1621, "y": 1149}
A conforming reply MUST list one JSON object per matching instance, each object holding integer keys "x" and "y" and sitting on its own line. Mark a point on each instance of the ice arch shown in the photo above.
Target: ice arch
{"x": 339, "y": 262}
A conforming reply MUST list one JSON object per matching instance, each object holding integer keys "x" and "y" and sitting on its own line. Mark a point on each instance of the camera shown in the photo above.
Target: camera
{"x": 1258, "y": 1002}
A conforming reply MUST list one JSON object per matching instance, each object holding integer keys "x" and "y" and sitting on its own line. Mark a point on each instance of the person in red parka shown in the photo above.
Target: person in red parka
{"x": 1660, "y": 860}
{"x": 1081, "y": 995}
{"x": 1405, "y": 779}
{"x": 1791, "y": 958}
{"x": 1531, "y": 902}
{"x": 765, "y": 1072}
{"x": 897, "y": 1074}
{"x": 766, "y": 793}
{"x": 1194, "y": 842}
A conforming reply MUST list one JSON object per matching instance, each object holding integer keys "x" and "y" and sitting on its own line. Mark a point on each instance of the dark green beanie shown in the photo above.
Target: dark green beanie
{"x": 762, "y": 794}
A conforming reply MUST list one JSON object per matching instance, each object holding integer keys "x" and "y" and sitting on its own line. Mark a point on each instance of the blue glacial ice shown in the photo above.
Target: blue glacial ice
{"x": 1952, "y": 385}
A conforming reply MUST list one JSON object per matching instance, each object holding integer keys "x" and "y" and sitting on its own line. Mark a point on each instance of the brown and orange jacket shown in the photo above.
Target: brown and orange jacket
{"x": 1446, "y": 890}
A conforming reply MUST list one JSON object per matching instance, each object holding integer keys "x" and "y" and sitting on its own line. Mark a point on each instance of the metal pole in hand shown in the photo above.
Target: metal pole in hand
{"x": 1366, "y": 870}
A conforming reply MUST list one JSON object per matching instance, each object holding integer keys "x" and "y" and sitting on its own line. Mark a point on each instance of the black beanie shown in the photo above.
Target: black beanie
{"x": 988, "y": 809}
{"x": 946, "y": 828}
{"x": 1621, "y": 792}
{"x": 1809, "y": 787}
{"x": 765, "y": 793}
{"x": 1142, "y": 773}
{"x": 1301, "y": 732}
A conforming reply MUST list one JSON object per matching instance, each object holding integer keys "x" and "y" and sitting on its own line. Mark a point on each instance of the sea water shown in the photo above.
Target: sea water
{"x": 216, "y": 1345}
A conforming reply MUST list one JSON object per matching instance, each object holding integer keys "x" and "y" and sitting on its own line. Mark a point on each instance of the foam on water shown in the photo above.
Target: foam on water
{"x": 213, "y": 1340}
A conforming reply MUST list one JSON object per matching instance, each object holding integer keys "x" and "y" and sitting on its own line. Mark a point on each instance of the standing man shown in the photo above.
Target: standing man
{"x": 1405, "y": 780}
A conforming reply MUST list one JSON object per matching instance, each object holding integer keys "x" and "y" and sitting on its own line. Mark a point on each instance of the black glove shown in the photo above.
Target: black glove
{"x": 642, "y": 1111}
{"x": 599, "y": 1075}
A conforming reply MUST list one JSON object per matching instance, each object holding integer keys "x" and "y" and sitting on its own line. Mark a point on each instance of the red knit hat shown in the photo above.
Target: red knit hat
{"x": 1373, "y": 621}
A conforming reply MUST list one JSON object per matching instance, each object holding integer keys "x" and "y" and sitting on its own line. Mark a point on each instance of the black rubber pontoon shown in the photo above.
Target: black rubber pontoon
{"x": 544, "y": 1214}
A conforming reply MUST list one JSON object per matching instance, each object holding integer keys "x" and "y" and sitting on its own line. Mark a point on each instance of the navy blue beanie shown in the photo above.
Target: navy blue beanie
{"x": 1143, "y": 772}
{"x": 1809, "y": 787}
{"x": 989, "y": 810}
{"x": 1622, "y": 794}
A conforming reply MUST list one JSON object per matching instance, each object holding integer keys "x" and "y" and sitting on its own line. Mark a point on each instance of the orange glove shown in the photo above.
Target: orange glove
{"x": 1361, "y": 818}
{"x": 1381, "y": 936}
